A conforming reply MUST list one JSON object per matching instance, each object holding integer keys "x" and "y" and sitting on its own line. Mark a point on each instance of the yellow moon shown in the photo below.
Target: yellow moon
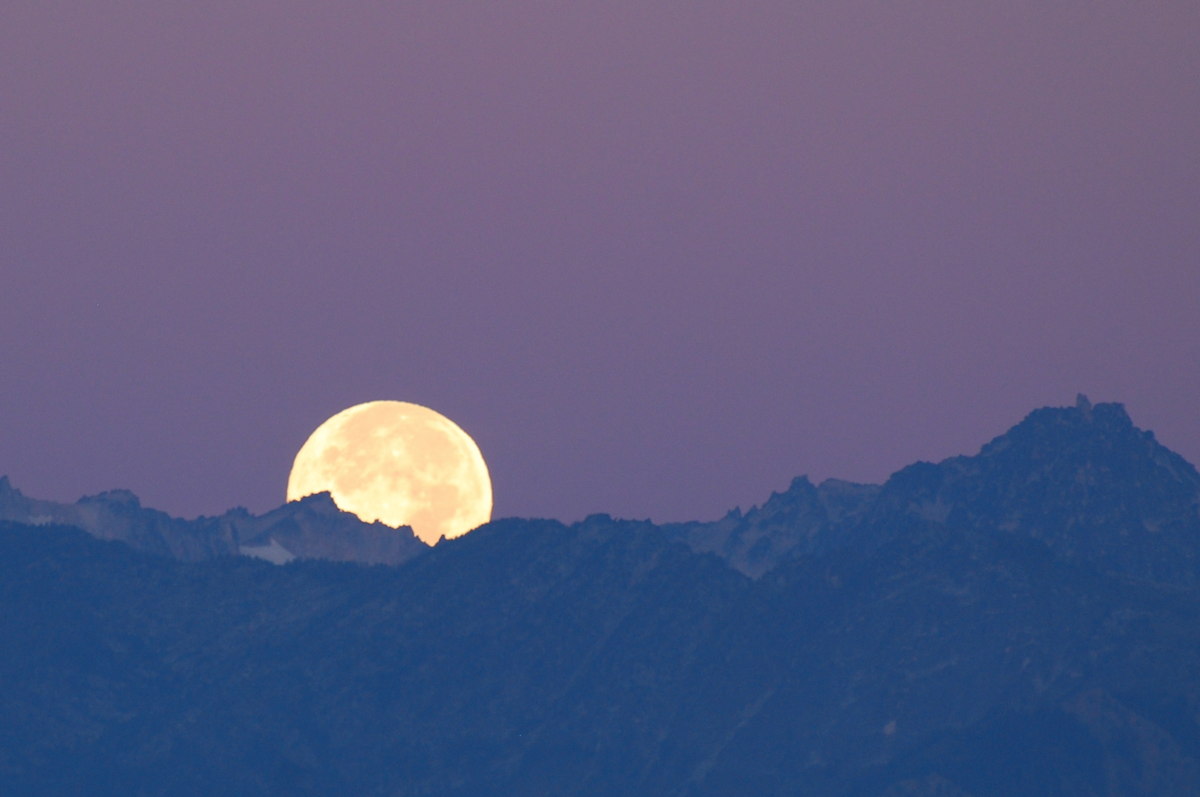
{"x": 399, "y": 463}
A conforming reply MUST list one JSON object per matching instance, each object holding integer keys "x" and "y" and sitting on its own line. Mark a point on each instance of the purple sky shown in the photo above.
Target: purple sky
{"x": 656, "y": 258}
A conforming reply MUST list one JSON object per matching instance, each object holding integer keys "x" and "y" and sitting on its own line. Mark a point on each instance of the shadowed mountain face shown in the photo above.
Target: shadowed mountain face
{"x": 1025, "y": 621}
{"x": 1083, "y": 480}
{"x": 801, "y": 520}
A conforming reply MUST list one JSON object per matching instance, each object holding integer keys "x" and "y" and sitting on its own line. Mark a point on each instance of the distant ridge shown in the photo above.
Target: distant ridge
{"x": 1082, "y": 479}
{"x": 311, "y": 528}
{"x": 1025, "y": 620}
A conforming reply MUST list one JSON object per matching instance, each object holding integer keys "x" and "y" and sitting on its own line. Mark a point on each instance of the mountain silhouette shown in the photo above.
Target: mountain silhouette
{"x": 312, "y": 528}
{"x": 1021, "y": 621}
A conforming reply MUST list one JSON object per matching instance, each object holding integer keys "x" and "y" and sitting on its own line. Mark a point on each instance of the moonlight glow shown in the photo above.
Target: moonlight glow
{"x": 399, "y": 463}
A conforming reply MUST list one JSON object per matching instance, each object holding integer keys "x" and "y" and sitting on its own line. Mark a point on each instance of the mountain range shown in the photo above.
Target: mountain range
{"x": 1025, "y": 620}
{"x": 312, "y": 528}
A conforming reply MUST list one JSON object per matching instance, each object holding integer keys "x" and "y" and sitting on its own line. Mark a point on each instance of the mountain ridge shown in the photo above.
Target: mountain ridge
{"x": 1121, "y": 483}
{"x": 945, "y": 633}
{"x": 312, "y": 527}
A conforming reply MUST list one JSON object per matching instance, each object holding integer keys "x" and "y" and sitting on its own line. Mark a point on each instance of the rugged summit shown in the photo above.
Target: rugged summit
{"x": 798, "y": 521}
{"x": 1022, "y": 621}
{"x": 312, "y": 527}
{"x": 1084, "y": 480}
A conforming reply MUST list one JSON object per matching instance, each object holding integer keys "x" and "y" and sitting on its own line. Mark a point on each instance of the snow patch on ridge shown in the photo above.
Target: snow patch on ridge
{"x": 274, "y": 553}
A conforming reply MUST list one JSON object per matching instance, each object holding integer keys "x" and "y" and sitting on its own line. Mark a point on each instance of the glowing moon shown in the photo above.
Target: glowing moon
{"x": 399, "y": 463}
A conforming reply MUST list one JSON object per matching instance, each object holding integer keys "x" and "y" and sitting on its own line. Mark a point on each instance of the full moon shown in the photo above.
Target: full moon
{"x": 399, "y": 463}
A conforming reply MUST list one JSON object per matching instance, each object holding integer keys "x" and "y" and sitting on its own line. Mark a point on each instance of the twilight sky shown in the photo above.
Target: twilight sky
{"x": 656, "y": 258}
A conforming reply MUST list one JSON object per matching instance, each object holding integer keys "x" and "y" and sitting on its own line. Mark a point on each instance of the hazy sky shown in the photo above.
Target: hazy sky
{"x": 657, "y": 258}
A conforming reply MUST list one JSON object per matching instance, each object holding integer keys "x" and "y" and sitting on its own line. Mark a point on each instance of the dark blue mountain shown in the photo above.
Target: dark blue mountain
{"x": 1023, "y": 621}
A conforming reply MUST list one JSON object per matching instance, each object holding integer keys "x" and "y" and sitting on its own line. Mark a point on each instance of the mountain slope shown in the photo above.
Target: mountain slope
{"x": 1024, "y": 621}
{"x": 1083, "y": 479}
{"x": 312, "y": 527}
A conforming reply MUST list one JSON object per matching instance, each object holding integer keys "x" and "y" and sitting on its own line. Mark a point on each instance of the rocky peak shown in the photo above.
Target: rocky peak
{"x": 123, "y": 499}
{"x": 321, "y": 503}
{"x": 11, "y": 499}
{"x": 787, "y": 525}
{"x": 1088, "y": 445}
{"x": 799, "y": 498}
{"x": 312, "y": 527}
{"x": 1051, "y": 431}
{"x": 845, "y": 500}
{"x": 1083, "y": 479}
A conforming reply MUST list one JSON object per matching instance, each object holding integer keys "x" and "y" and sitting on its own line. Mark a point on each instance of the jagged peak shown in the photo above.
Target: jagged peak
{"x": 800, "y": 485}
{"x": 845, "y": 486}
{"x": 1084, "y": 411}
{"x": 324, "y": 505}
{"x": 842, "y": 498}
{"x": 800, "y": 491}
{"x": 1106, "y": 419}
{"x": 1079, "y": 434}
{"x": 322, "y": 502}
{"x": 320, "y": 505}
{"x": 919, "y": 475}
{"x": 115, "y": 497}
{"x": 603, "y": 520}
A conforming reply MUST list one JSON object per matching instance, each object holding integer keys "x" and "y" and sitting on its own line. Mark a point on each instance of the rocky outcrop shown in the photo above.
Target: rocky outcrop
{"x": 798, "y": 521}
{"x": 311, "y": 528}
{"x": 1082, "y": 479}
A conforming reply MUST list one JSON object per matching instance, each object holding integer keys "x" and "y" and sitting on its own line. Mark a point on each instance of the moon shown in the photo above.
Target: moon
{"x": 400, "y": 464}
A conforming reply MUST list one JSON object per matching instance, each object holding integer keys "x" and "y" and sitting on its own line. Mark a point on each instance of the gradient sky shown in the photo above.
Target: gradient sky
{"x": 656, "y": 258}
